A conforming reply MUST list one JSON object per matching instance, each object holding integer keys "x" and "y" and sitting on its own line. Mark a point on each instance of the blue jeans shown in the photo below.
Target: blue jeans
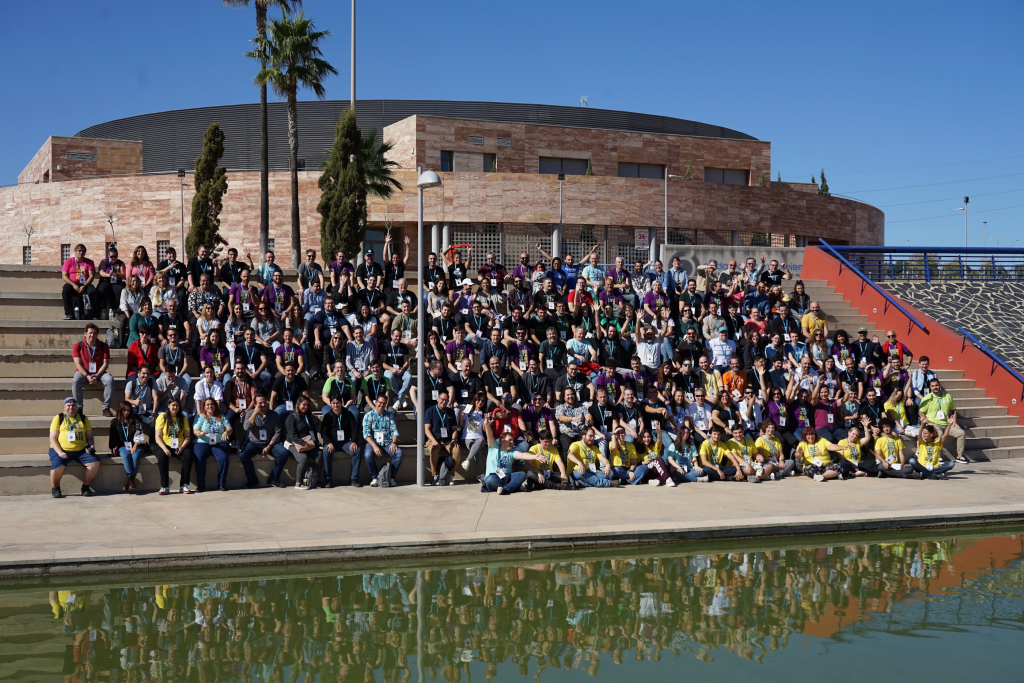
{"x": 588, "y": 478}
{"x": 251, "y": 450}
{"x": 400, "y": 392}
{"x": 622, "y": 473}
{"x": 349, "y": 448}
{"x": 510, "y": 484}
{"x": 929, "y": 473}
{"x": 371, "y": 462}
{"x": 130, "y": 460}
{"x": 203, "y": 451}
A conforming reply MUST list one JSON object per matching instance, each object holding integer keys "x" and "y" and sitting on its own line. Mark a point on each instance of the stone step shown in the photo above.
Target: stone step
{"x": 980, "y": 407}
{"x": 986, "y": 422}
{"x": 28, "y": 397}
{"x": 31, "y": 305}
{"x": 57, "y": 334}
{"x": 30, "y": 279}
{"x": 989, "y": 454}
{"x": 51, "y": 363}
{"x": 994, "y": 431}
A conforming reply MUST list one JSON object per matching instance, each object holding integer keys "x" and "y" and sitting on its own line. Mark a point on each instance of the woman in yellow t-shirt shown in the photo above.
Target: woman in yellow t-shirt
{"x": 769, "y": 446}
{"x": 818, "y": 463}
{"x": 716, "y": 460}
{"x": 849, "y": 450}
{"x": 889, "y": 451}
{"x": 928, "y": 461}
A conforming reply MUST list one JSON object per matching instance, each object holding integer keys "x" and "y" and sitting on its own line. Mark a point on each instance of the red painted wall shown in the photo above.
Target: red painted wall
{"x": 942, "y": 345}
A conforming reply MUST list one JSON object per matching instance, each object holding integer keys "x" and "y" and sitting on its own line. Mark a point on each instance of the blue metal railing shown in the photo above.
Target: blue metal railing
{"x": 888, "y": 297}
{"x": 937, "y": 263}
{"x": 996, "y": 360}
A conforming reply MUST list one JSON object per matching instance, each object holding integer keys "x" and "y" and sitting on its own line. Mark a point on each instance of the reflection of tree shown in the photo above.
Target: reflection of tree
{"x": 540, "y": 617}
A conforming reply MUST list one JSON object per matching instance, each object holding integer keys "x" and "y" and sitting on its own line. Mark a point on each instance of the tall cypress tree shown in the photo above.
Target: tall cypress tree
{"x": 824, "y": 185}
{"x": 211, "y": 184}
{"x": 342, "y": 204}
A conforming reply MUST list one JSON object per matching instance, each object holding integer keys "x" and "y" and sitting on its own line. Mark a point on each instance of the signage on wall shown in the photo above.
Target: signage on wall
{"x": 640, "y": 238}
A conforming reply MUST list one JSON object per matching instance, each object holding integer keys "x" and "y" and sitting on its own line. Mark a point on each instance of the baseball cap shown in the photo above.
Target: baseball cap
{"x": 369, "y": 252}
{"x": 861, "y": 329}
{"x": 70, "y": 399}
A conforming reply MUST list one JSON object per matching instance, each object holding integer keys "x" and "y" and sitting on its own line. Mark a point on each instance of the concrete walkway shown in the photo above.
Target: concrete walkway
{"x": 40, "y": 535}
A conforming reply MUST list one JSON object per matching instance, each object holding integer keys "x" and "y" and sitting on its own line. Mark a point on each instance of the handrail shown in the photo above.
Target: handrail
{"x": 996, "y": 360}
{"x": 888, "y": 297}
{"x": 927, "y": 250}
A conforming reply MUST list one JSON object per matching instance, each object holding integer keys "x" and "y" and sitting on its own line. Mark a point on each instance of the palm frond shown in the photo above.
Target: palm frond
{"x": 379, "y": 169}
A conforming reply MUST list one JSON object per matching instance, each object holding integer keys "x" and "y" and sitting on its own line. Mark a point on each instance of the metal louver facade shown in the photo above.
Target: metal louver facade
{"x": 173, "y": 139}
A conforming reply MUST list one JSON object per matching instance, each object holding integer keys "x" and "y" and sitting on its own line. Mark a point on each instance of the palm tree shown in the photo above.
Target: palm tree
{"x": 261, "y": 31}
{"x": 294, "y": 61}
{"x": 379, "y": 170}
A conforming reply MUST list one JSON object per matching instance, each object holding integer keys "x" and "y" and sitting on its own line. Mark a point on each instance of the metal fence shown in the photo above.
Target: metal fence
{"x": 889, "y": 264}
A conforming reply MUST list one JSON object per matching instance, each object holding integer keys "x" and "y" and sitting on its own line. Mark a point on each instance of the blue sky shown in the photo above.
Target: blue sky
{"x": 881, "y": 94}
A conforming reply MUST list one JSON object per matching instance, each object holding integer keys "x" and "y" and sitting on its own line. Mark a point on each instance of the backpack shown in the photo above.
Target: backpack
{"x": 114, "y": 337}
{"x": 384, "y": 476}
{"x": 312, "y": 476}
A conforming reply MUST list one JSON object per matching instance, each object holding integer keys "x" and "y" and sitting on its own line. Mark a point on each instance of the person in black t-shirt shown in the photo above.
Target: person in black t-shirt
{"x": 852, "y": 380}
{"x": 394, "y": 266}
{"x": 177, "y": 275}
{"x": 437, "y": 383}
{"x": 400, "y": 294}
{"x": 397, "y": 359}
{"x": 431, "y": 274}
{"x": 230, "y": 270}
{"x": 286, "y": 390}
{"x": 201, "y": 264}
{"x": 367, "y": 268}
{"x": 457, "y": 270}
{"x": 465, "y": 384}
{"x": 445, "y": 324}
{"x": 498, "y": 383}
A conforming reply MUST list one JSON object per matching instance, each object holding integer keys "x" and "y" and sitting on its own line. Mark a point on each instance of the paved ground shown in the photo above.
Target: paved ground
{"x": 41, "y": 535}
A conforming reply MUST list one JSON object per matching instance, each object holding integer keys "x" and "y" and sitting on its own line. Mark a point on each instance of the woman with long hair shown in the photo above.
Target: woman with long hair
{"x": 472, "y": 437}
{"x": 268, "y": 329}
{"x": 127, "y": 440}
{"x": 799, "y": 301}
{"x": 780, "y": 412}
{"x": 724, "y": 412}
{"x": 131, "y": 301}
{"x": 295, "y": 321}
{"x": 928, "y": 460}
{"x": 682, "y": 456}
{"x": 433, "y": 350}
{"x": 234, "y": 329}
{"x": 437, "y": 297}
{"x": 160, "y": 293}
{"x": 213, "y": 354}
{"x": 212, "y": 432}
{"x": 173, "y": 440}
{"x": 112, "y": 274}
{"x": 772, "y": 450}
{"x": 142, "y": 267}
{"x": 818, "y": 349}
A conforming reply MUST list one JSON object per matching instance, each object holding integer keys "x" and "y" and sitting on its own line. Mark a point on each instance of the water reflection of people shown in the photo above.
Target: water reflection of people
{"x": 536, "y": 617}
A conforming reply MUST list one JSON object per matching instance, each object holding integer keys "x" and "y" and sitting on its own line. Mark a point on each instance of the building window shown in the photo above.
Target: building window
{"x": 26, "y": 256}
{"x": 446, "y": 162}
{"x": 727, "y": 176}
{"x": 631, "y": 170}
{"x": 476, "y": 139}
{"x": 553, "y": 165}
{"x": 161, "y": 249}
{"x": 65, "y": 253}
{"x": 490, "y": 163}
{"x": 80, "y": 156}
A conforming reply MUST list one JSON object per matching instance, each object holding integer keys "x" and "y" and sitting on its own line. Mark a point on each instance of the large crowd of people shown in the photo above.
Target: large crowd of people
{"x": 550, "y": 375}
{"x": 528, "y": 620}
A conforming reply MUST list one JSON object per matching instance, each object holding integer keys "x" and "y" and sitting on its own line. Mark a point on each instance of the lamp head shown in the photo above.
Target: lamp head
{"x": 428, "y": 179}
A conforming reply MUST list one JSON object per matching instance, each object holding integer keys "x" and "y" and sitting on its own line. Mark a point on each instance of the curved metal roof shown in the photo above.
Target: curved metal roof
{"x": 173, "y": 139}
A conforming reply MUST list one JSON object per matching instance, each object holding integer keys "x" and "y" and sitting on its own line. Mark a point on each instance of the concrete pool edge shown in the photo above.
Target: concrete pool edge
{"x": 154, "y": 558}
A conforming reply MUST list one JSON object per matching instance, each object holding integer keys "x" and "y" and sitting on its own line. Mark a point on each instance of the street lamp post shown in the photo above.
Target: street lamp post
{"x": 181, "y": 181}
{"x": 984, "y": 232}
{"x": 667, "y": 176}
{"x": 425, "y": 179}
{"x": 556, "y": 239}
{"x": 964, "y": 209}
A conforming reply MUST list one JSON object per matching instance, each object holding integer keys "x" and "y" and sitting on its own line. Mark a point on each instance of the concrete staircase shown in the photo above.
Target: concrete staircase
{"x": 35, "y": 377}
{"x": 992, "y": 434}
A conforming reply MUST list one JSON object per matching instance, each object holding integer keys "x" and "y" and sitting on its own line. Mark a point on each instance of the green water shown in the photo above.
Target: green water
{"x": 870, "y": 608}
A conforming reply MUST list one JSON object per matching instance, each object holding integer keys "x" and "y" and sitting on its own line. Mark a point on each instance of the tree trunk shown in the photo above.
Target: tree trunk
{"x": 261, "y": 30}
{"x": 293, "y": 162}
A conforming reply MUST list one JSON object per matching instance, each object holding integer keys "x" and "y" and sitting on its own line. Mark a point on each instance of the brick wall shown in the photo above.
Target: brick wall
{"x": 113, "y": 157}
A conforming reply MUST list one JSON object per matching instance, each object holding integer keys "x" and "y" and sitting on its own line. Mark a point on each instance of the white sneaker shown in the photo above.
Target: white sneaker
{"x": 670, "y": 482}
{"x": 703, "y": 480}
{"x": 373, "y": 483}
{"x": 163, "y": 491}
{"x": 501, "y": 490}
{"x": 653, "y": 482}
{"x": 185, "y": 489}
{"x": 465, "y": 464}
{"x": 405, "y": 403}
{"x": 818, "y": 477}
{"x": 451, "y": 481}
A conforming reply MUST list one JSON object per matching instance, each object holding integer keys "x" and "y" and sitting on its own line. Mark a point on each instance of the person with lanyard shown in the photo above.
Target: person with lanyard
{"x": 301, "y": 440}
{"x": 602, "y": 416}
{"x": 463, "y": 299}
{"x": 309, "y": 271}
{"x": 142, "y": 317}
{"x": 245, "y": 293}
{"x": 339, "y": 384}
{"x": 174, "y": 319}
{"x": 112, "y": 274}
{"x": 629, "y": 414}
{"x": 174, "y": 355}
{"x": 173, "y": 440}
{"x": 458, "y": 350}
{"x": 498, "y": 383}
{"x": 626, "y": 466}
{"x": 825, "y": 414}
{"x": 319, "y": 331}
{"x": 177, "y": 274}
{"x": 437, "y": 384}
{"x": 938, "y": 408}
{"x": 142, "y": 353}
{"x": 71, "y": 440}
{"x": 748, "y": 458}
{"x": 889, "y": 454}
{"x": 611, "y": 381}
{"x": 563, "y": 321}
{"x": 394, "y": 265}
{"x": 340, "y": 435}
{"x": 279, "y": 296}
{"x": 589, "y": 467}
{"x": 406, "y": 322}
{"x": 782, "y": 323}
{"x": 139, "y": 394}
{"x": 368, "y": 268}
{"x": 239, "y": 395}
{"x": 286, "y": 392}
{"x": 264, "y": 432}
{"x": 445, "y": 324}
{"x": 434, "y": 273}
{"x": 212, "y": 354}
{"x": 494, "y": 347}
{"x": 921, "y": 379}
{"x": 928, "y": 460}
{"x": 553, "y": 354}
{"x": 548, "y": 470}
{"x": 770, "y": 447}
{"x": 854, "y": 460}
{"x": 457, "y": 268}
{"x": 396, "y": 359}
{"x": 852, "y": 380}
{"x": 374, "y": 298}
{"x": 339, "y": 267}
{"x": 442, "y": 427}
{"x": 199, "y": 265}
{"x": 169, "y": 385}
{"x": 375, "y": 384}
{"x": 508, "y": 419}
{"x": 205, "y": 295}
{"x": 477, "y": 325}
{"x": 211, "y": 431}
{"x": 500, "y": 475}
{"x": 92, "y": 360}
{"x": 536, "y": 383}
{"x": 381, "y": 434}
{"x": 290, "y": 354}
{"x": 575, "y": 380}
{"x": 230, "y": 270}
{"x": 872, "y": 407}
{"x": 78, "y": 294}
{"x": 401, "y": 293}
{"x": 717, "y": 462}
{"x": 127, "y": 440}
{"x": 254, "y": 360}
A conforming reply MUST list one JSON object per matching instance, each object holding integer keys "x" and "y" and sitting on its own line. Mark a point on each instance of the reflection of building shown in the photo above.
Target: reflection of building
{"x": 499, "y": 161}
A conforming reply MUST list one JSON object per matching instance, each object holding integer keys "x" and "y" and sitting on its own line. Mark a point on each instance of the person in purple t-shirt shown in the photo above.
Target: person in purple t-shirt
{"x": 336, "y": 267}
{"x": 610, "y": 381}
{"x": 538, "y": 419}
{"x": 457, "y": 350}
{"x": 654, "y": 299}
